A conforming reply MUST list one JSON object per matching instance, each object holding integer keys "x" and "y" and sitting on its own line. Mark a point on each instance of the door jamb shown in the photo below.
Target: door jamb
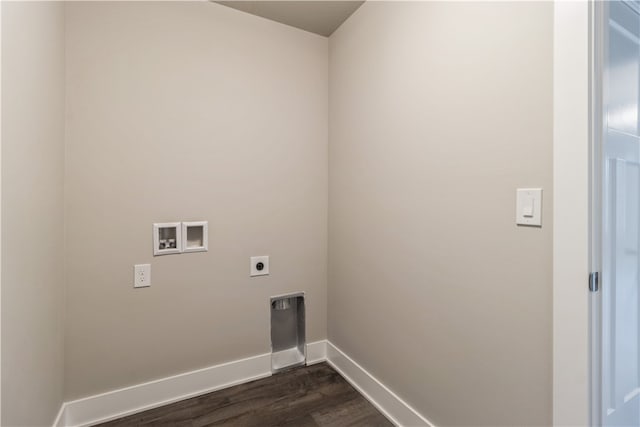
{"x": 571, "y": 254}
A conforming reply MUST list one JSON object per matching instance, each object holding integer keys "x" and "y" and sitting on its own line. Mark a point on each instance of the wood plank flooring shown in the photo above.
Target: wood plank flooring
{"x": 310, "y": 396}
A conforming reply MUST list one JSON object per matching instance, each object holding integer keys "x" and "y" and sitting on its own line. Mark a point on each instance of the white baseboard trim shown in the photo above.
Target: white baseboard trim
{"x": 60, "y": 420}
{"x": 316, "y": 352}
{"x": 130, "y": 400}
{"x": 393, "y": 407}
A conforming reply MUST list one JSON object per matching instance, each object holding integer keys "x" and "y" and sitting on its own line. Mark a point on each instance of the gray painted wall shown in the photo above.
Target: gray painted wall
{"x": 438, "y": 112}
{"x": 32, "y": 212}
{"x": 188, "y": 111}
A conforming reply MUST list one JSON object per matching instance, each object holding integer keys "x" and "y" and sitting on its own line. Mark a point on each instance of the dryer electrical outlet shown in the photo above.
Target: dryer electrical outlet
{"x": 259, "y": 266}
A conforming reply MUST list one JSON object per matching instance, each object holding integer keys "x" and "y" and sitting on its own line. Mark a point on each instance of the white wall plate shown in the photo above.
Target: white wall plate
{"x": 167, "y": 238}
{"x": 529, "y": 207}
{"x": 142, "y": 275}
{"x": 259, "y": 266}
{"x": 195, "y": 236}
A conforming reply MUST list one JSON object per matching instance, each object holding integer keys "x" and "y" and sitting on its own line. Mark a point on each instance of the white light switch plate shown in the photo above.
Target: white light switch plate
{"x": 529, "y": 206}
{"x": 142, "y": 275}
{"x": 255, "y": 269}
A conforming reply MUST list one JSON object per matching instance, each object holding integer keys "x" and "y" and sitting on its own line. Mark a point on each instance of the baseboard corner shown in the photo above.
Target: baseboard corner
{"x": 385, "y": 400}
{"x": 316, "y": 352}
{"x": 60, "y": 420}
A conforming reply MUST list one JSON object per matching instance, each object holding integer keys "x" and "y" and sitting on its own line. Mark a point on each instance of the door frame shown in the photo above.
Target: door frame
{"x": 598, "y": 40}
{"x": 572, "y": 72}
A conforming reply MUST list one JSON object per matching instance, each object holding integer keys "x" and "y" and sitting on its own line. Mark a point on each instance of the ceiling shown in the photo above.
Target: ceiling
{"x": 320, "y": 17}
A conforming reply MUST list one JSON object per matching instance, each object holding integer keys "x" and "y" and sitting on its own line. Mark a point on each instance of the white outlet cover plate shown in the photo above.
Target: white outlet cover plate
{"x": 141, "y": 275}
{"x": 254, "y": 262}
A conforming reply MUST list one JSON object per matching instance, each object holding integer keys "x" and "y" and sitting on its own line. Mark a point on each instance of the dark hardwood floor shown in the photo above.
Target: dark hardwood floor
{"x": 310, "y": 396}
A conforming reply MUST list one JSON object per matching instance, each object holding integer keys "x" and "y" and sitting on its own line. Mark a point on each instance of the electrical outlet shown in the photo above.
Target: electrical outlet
{"x": 259, "y": 266}
{"x": 142, "y": 275}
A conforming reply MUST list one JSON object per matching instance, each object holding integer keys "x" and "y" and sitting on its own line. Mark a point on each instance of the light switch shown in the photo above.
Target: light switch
{"x": 529, "y": 206}
{"x": 529, "y": 202}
